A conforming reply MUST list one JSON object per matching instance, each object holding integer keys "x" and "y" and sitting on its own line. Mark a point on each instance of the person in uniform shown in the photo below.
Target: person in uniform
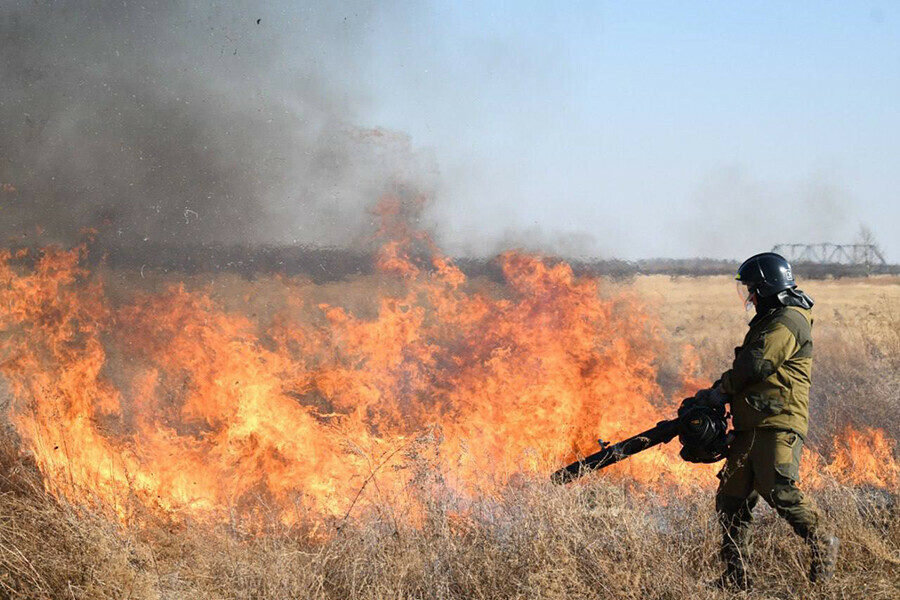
{"x": 767, "y": 388}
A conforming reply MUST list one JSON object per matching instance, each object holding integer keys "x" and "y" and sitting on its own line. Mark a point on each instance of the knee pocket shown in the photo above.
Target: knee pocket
{"x": 788, "y": 449}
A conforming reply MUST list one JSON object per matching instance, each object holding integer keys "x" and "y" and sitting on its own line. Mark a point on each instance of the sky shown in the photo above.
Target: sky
{"x": 641, "y": 129}
{"x": 592, "y": 129}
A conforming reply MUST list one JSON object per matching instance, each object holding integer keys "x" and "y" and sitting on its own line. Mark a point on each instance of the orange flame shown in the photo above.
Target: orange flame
{"x": 862, "y": 457}
{"x": 170, "y": 402}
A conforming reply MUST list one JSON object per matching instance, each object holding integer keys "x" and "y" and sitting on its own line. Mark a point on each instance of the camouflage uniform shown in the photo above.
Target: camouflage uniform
{"x": 769, "y": 387}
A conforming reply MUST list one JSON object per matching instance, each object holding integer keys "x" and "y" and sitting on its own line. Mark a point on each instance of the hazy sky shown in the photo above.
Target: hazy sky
{"x": 649, "y": 128}
{"x": 628, "y": 129}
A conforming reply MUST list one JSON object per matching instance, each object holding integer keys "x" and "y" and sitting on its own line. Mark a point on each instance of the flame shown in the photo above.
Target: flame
{"x": 171, "y": 402}
{"x": 865, "y": 457}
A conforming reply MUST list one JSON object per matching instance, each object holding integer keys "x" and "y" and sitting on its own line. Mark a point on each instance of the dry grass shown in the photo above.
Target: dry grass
{"x": 52, "y": 550}
{"x": 591, "y": 540}
{"x": 595, "y": 540}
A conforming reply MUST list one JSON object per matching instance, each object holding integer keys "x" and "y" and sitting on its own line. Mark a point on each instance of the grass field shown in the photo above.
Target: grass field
{"x": 602, "y": 538}
{"x": 856, "y": 335}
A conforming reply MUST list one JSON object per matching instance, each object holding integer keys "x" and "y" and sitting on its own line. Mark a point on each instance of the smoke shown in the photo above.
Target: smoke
{"x": 534, "y": 239}
{"x": 154, "y": 122}
{"x": 734, "y": 215}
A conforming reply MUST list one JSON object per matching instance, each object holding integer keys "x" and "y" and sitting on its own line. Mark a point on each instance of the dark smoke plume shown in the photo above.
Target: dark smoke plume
{"x": 158, "y": 123}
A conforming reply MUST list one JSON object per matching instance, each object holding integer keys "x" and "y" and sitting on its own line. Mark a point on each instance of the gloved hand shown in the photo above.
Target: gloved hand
{"x": 712, "y": 397}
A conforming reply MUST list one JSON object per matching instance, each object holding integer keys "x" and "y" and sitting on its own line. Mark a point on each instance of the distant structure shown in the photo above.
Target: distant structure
{"x": 857, "y": 255}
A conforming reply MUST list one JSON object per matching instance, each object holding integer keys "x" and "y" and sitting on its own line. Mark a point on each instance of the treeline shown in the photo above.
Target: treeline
{"x": 332, "y": 264}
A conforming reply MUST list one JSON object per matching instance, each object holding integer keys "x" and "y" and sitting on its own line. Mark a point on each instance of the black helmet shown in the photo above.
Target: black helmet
{"x": 766, "y": 274}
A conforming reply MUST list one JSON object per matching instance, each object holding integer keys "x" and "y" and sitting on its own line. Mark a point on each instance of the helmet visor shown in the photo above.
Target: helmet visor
{"x": 745, "y": 295}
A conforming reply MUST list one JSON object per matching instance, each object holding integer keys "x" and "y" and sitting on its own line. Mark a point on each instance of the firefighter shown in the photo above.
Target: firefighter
{"x": 768, "y": 390}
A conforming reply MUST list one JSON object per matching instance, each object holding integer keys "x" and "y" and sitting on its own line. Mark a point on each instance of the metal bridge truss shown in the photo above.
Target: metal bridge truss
{"x": 832, "y": 254}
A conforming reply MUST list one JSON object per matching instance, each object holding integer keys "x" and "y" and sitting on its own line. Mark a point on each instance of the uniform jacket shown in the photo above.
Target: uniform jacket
{"x": 770, "y": 377}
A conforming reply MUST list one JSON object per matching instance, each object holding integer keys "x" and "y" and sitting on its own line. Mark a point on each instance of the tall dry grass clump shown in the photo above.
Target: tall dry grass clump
{"x": 52, "y": 550}
{"x": 857, "y": 372}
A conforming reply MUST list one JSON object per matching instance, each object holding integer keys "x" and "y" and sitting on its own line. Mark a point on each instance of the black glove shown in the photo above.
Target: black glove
{"x": 712, "y": 397}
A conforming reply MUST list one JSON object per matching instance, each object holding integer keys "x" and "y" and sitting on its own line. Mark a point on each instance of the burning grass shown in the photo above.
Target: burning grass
{"x": 170, "y": 402}
{"x": 529, "y": 540}
{"x": 390, "y": 435}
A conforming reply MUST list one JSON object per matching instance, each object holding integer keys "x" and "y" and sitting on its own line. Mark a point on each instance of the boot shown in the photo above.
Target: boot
{"x": 735, "y": 576}
{"x": 735, "y": 515}
{"x": 824, "y": 557}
